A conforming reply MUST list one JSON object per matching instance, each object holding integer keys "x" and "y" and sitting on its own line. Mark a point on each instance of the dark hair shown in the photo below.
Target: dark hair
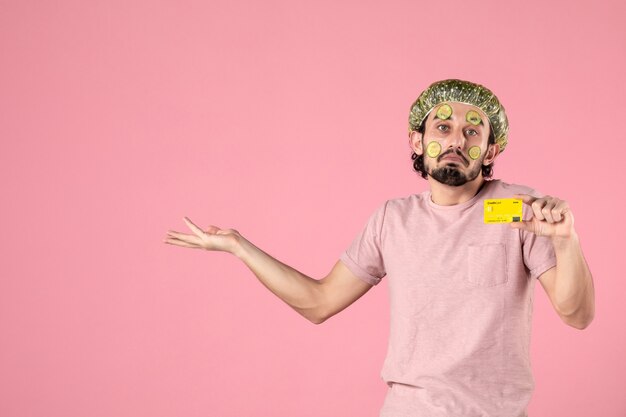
{"x": 418, "y": 160}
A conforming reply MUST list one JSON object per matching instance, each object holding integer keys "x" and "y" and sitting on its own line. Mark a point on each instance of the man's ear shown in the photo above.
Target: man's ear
{"x": 415, "y": 142}
{"x": 493, "y": 150}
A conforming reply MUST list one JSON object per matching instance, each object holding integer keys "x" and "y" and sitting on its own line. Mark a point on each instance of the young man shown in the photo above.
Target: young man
{"x": 461, "y": 290}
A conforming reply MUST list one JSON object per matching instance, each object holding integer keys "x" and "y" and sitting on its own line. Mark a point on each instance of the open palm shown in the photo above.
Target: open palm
{"x": 213, "y": 238}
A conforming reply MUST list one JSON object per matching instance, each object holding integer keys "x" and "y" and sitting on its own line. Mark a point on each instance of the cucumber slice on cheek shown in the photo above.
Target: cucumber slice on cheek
{"x": 433, "y": 149}
{"x": 474, "y": 152}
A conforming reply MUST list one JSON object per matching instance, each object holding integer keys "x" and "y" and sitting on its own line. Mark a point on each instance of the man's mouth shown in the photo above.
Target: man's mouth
{"x": 452, "y": 157}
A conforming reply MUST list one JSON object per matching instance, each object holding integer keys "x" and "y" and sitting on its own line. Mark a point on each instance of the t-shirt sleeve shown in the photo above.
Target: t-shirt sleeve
{"x": 538, "y": 251}
{"x": 364, "y": 255}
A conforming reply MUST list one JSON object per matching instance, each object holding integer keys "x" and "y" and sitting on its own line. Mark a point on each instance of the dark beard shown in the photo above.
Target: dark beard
{"x": 450, "y": 175}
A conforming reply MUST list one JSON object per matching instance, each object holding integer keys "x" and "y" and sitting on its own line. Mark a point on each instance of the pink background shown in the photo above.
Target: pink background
{"x": 287, "y": 122}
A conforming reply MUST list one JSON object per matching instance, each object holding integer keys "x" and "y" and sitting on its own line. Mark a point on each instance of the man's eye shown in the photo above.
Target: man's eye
{"x": 472, "y": 132}
{"x": 443, "y": 128}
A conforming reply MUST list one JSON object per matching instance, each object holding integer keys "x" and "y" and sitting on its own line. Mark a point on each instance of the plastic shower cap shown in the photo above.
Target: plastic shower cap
{"x": 462, "y": 92}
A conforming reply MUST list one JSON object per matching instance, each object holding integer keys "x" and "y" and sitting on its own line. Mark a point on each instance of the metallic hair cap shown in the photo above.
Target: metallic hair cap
{"x": 462, "y": 92}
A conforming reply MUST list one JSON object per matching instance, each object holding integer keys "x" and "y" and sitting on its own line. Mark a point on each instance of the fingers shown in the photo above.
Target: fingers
{"x": 177, "y": 242}
{"x": 190, "y": 239}
{"x": 554, "y": 210}
{"x": 213, "y": 238}
{"x": 528, "y": 199}
{"x": 541, "y": 206}
{"x": 538, "y": 207}
{"x": 547, "y": 208}
{"x": 535, "y": 203}
{"x": 193, "y": 227}
{"x": 560, "y": 209}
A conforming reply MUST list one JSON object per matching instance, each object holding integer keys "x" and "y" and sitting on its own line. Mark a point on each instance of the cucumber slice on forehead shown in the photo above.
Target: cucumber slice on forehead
{"x": 473, "y": 117}
{"x": 444, "y": 111}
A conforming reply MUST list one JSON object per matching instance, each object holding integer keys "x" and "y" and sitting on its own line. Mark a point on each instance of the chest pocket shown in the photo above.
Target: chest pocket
{"x": 487, "y": 265}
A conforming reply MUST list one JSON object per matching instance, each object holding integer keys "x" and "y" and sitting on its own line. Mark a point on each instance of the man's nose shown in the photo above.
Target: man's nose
{"x": 456, "y": 139}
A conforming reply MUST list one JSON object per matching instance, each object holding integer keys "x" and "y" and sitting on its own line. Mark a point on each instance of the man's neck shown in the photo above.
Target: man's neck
{"x": 447, "y": 195}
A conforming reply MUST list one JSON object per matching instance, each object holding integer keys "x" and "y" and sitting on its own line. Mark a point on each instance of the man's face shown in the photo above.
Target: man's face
{"x": 455, "y": 143}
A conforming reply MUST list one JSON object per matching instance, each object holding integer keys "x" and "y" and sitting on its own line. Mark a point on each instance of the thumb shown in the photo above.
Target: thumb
{"x": 523, "y": 225}
{"x": 211, "y": 230}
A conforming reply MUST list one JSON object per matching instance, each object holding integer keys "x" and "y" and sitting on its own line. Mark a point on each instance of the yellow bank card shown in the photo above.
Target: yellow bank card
{"x": 503, "y": 210}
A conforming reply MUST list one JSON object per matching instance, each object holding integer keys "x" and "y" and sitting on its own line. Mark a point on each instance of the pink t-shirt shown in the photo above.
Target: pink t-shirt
{"x": 461, "y": 298}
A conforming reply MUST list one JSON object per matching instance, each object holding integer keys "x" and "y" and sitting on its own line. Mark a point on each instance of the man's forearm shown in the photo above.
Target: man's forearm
{"x": 299, "y": 291}
{"x": 574, "y": 291}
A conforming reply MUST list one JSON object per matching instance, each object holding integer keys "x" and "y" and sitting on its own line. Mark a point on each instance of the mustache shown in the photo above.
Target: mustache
{"x": 457, "y": 153}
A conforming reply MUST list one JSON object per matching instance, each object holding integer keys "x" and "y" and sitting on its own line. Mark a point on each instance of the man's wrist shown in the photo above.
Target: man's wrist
{"x": 562, "y": 242}
{"x": 239, "y": 246}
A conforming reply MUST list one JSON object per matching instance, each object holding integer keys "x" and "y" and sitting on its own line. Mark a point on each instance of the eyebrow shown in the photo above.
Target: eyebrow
{"x": 451, "y": 116}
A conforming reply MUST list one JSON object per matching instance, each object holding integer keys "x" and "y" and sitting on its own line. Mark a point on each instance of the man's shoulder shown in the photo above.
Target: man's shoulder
{"x": 409, "y": 205}
{"x": 401, "y": 203}
{"x": 505, "y": 189}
